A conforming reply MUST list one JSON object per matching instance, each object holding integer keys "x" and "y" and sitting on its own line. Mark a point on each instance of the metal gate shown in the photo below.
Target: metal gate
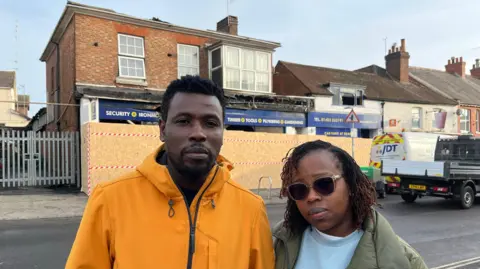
{"x": 39, "y": 159}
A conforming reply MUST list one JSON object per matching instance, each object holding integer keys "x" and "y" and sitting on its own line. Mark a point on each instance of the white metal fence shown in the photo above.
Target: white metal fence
{"x": 39, "y": 159}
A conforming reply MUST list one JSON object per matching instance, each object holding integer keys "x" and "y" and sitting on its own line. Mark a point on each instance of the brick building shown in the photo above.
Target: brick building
{"x": 112, "y": 67}
{"x": 455, "y": 84}
{"x": 384, "y": 99}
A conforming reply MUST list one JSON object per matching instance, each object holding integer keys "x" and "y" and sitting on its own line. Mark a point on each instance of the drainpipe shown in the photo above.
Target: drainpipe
{"x": 382, "y": 124}
{"x": 57, "y": 85}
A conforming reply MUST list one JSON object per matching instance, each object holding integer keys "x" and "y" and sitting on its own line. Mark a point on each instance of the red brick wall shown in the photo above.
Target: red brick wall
{"x": 68, "y": 115}
{"x": 285, "y": 83}
{"x": 473, "y": 119}
{"x": 99, "y": 65}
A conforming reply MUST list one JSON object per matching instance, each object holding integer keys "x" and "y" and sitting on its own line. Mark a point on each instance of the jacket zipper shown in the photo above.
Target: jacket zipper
{"x": 191, "y": 241}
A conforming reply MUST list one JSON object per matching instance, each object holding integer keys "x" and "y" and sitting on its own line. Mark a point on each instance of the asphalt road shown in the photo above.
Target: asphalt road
{"x": 436, "y": 228}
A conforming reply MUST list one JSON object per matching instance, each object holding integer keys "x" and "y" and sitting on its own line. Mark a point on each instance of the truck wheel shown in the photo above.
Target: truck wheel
{"x": 467, "y": 197}
{"x": 382, "y": 194}
{"x": 409, "y": 198}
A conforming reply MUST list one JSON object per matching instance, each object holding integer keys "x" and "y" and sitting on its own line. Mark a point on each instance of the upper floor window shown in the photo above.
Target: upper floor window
{"x": 416, "y": 117}
{"x": 241, "y": 69}
{"x": 346, "y": 96}
{"x": 477, "y": 120}
{"x": 434, "y": 116}
{"x": 465, "y": 120}
{"x": 188, "y": 60}
{"x": 131, "y": 56}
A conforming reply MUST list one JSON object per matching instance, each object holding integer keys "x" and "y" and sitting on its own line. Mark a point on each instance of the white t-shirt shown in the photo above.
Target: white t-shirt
{"x": 322, "y": 251}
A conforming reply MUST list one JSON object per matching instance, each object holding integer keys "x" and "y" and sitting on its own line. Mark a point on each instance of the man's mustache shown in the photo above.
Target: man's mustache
{"x": 196, "y": 149}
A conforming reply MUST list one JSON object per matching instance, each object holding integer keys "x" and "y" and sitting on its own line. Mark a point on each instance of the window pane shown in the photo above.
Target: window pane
{"x": 131, "y": 50}
{"x": 138, "y": 64}
{"x": 123, "y": 71}
{"x": 139, "y": 51}
{"x": 130, "y": 41}
{"x": 248, "y": 60}
{"x": 248, "y": 80}
{"x": 123, "y": 40}
{"x": 131, "y": 72}
{"x": 216, "y": 58}
{"x": 140, "y": 72}
{"x": 195, "y": 72}
{"x": 262, "y": 62}
{"x": 123, "y": 49}
{"x": 138, "y": 43}
{"x": 123, "y": 62}
{"x": 262, "y": 82}
{"x": 131, "y": 63}
{"x": 232, "y": 78}
{"x": 233, "y": 58}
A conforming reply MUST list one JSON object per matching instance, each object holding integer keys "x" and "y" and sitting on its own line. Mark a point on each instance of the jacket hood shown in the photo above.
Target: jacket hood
{"x": 159, "y": 175}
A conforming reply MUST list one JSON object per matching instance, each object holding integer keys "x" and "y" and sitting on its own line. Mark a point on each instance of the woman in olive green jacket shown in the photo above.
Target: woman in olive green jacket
{"x": 329, "y": 222}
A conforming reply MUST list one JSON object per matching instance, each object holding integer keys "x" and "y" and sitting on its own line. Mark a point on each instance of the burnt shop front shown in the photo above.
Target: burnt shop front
{"x": 127, "y": 112}
{"x": 113, "y": 111}
{"x": 263, "y": 120}
{"x": 333, "y": 124}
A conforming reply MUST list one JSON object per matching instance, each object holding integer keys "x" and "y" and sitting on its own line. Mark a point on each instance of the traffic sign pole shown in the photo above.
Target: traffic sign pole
{"x": 353, "y": 140}
{"x": 352, "y": 118}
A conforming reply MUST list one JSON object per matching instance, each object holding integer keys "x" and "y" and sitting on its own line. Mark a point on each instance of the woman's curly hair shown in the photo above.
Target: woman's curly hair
{"x": 363, "y": 194}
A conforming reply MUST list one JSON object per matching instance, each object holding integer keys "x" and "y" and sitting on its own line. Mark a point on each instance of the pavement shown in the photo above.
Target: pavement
{"x": 63, "y": 202}
{"x": 41, "y": 203}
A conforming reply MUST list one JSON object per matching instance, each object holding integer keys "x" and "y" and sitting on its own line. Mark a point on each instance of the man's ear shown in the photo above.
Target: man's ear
{"x": 162, "y": 130}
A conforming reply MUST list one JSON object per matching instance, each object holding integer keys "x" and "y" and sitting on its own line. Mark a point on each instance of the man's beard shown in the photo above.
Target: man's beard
{"x": 196, "y": 172}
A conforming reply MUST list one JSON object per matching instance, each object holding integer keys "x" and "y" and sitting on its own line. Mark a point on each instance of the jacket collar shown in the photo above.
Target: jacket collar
{"x": 159, "y": 176}
{"x": 379, "y": 246}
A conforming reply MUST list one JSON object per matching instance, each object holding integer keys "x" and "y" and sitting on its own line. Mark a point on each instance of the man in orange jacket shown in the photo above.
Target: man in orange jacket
{"x": 180, "y": 208}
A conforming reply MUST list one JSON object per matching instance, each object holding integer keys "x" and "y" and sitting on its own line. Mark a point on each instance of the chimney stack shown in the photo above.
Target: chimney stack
{"x": 397, "y": 62}
{"x": 228, "y": 25}
{"x": 475, "y": 71}
{"x": 456, "y": 66}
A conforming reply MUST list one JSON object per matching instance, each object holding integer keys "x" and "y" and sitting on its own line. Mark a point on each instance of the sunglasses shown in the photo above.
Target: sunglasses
{"x": 323, "y": 186}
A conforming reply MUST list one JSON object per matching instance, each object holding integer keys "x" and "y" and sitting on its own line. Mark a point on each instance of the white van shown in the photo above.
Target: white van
{"x": 412, "y": 146}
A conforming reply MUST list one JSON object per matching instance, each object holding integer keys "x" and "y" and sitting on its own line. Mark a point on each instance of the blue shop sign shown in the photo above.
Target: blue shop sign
{"x": 344, "y": 132}
{"x": 264, "y": 118}
{"x": 109, "y": 110}
{"x": 337, "y": 120}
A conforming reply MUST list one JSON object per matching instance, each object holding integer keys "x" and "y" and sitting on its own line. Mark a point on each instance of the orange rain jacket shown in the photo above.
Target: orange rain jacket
{"x": 141, "y": 221}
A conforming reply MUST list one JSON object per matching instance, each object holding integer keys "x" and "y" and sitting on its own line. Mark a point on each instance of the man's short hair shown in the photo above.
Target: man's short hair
{"x": 194, "y": 85}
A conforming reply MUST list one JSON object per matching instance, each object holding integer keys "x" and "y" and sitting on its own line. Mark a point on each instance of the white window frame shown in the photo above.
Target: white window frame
{"x": 131, "y": 56}
{"x": 419, "y": 109}
{"x": 241, "y": 68}
{"x": 338, "y": 93}
{"x": 185, "y": 65}
{"x": 434, "y": 113}
{"x": 477, "y": 120}
{"x": 466, "y": 119}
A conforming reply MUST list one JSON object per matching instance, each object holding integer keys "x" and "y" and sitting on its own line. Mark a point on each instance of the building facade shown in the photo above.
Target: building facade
{"x": 112, "y": 67}
{"x": 14, "y": 108}
{"x": 454, "y": 83}
{"x": 385, "y": 100}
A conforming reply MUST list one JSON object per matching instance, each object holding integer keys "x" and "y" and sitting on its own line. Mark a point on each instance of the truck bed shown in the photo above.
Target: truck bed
{"x": 436, "y": 170}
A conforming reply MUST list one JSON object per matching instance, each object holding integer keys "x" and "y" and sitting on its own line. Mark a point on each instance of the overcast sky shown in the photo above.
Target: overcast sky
{"x": 344, "y": 34}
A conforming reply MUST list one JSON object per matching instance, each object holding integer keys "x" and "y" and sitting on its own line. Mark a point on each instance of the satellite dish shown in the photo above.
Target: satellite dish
{"x": 458, "y": 112}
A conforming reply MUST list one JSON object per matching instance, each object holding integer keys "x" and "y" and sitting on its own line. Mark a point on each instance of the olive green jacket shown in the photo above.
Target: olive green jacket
{"x": 379, "y": 248}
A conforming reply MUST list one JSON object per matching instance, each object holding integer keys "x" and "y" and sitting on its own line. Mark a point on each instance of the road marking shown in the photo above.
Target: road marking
{"x": 458, "y": 264}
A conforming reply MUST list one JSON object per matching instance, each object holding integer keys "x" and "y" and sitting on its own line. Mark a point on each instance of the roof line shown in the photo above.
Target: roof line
{"x": 72, "y": 9}
{"x": 430, "y": 86}
{"x": 296, "y": 77}
{"x": 425, "y": 68}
